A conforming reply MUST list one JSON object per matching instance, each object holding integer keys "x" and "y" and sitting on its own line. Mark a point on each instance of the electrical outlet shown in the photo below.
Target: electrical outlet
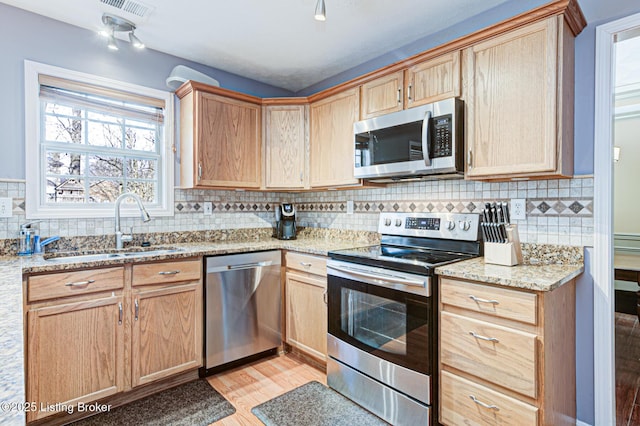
{"x": 6, "y": 207}
{"x": 518, "y": 209}
{"x": 208, "y": 208}
{"x": 350, "y": 207}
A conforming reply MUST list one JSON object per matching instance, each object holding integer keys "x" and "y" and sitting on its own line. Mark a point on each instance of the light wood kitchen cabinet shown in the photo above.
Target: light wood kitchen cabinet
{"x": 507, "y": 356}
{"x": 167, "y": 319}
{"x": 75, "y": 345}
{"x": 429, "y": 81}
{"x": 519, "y": 103}
{"x": 433, "y": 80}
{"x": 92, "y": 334}
{"x": 305, "y": 304}
{"x": 382, "y": 95}
{"x": 331, "y": 139}
{"x": 285, "y": 140}
{"x": 220, "y": 138}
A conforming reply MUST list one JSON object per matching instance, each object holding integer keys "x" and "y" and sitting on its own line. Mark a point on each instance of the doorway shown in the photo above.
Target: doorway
{"x": 607, "y": 36}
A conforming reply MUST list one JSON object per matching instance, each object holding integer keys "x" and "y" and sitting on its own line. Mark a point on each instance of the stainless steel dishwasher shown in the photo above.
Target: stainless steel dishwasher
{"x": 242, "y": 307}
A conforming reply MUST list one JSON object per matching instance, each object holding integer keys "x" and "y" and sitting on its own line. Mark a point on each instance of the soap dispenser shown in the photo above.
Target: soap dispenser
{"x": 26, "y": 241}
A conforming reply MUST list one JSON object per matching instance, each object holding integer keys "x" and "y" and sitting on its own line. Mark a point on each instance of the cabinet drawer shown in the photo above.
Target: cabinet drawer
{"x": 306, "y": 263}
{"x": 64, "y": 284}
{"x": 465, "y": 402}
{"x": 500, "y": 302}
{"x": 498, "y": 354}
{"x": 167, "y": 272}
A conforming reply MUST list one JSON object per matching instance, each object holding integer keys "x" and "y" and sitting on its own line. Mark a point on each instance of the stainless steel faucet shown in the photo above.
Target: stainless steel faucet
{"x": 120, "y": 237}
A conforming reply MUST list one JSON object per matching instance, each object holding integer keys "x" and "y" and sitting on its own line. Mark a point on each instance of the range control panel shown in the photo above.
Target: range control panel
{"x": 455, "y": 226}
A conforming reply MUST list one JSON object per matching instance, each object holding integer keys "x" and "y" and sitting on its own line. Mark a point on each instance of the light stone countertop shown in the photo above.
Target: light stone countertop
{"x": 530, "y": 277}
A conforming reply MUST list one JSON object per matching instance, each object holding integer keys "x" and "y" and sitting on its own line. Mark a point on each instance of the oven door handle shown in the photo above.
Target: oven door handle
{"x": 425, "y": 139}
{"x": 378, "y": 276}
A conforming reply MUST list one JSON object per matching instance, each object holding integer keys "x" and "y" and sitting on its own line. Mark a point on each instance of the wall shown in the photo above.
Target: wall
{"x": 24, "y": 35}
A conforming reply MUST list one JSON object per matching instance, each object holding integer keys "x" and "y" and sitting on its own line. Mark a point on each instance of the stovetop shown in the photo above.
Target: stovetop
{"x": 418, "y": 242}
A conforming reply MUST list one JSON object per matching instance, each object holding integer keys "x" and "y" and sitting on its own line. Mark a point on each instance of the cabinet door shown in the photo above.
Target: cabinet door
{"x": 285, "y": 141}
{"x": 306, "y": 314}
{"x": 332, "y": 154}
{"x": 433, "y": 80}
{"x": 511, "y": 102}
{"x": 167, "y": 332}
{"x": 228, "y": 142}
{"x": 382, "y": 95}
{"x": 75, "y": 353}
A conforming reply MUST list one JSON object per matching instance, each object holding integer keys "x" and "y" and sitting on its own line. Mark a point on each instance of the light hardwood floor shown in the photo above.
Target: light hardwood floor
{"x": 247, "y": 386}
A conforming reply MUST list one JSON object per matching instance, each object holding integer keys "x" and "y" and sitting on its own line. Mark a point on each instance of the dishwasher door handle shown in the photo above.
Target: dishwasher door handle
{"x": 250, "y": 265}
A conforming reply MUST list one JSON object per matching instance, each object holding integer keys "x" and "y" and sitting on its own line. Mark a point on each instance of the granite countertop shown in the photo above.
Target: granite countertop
{"x": 318, "y": 246}
{"x": 538, "y": 277}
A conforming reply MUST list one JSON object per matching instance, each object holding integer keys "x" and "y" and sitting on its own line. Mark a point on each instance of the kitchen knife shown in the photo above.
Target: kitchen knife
{"x": 483, "y": 226}
{"x": 487, "y": 225}
{"x": 507, "y": 219}
{"x": 496, "y": 230}
{"x": 503, "y": 230}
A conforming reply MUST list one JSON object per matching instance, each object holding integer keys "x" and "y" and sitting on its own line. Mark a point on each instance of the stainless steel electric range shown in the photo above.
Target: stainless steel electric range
{"x": 382, "y": 310}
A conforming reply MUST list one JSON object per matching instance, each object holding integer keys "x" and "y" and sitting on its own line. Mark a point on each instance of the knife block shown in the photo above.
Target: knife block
{"x": 506, "y": 254}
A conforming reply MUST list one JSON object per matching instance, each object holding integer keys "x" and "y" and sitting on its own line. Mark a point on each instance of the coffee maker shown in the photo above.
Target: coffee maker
{"x": 285, "y": 222}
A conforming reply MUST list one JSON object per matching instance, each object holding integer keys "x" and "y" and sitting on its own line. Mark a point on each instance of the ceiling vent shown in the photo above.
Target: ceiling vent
{"x": 132, "y": 8}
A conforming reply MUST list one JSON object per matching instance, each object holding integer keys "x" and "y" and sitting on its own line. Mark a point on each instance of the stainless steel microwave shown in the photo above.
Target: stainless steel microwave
{"x": 425, "y": 141}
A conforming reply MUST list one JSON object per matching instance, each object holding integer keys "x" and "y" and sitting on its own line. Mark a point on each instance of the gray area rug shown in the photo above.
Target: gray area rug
{"x": 194, "y": 403}
{"x": 314, "y": 404}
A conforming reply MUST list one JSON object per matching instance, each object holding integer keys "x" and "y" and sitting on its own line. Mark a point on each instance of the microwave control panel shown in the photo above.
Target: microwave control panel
{"x": 441, "y": 136}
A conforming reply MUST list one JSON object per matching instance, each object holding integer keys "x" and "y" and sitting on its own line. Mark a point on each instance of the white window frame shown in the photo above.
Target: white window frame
{"x": 35, "y": 209}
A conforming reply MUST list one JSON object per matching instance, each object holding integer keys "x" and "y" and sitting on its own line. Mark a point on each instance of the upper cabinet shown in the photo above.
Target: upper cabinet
{"x": 331, "y": 139}
{"x": 286, "y": 140}
{"x": 220, "y": 138}
{"x": 429, "y": 81}
{"x": 382, "y": 95}
{"x": 519, "y": 102}
{"x": 433, "y": 80}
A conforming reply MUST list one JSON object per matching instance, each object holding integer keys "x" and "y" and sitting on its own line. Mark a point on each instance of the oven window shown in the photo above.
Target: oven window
{"x": 374, "y": 321}
{"x": 385, "y": 322}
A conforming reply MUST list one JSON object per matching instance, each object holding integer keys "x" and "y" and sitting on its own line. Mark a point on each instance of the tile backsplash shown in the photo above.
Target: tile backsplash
{"x": 558, "y": 211}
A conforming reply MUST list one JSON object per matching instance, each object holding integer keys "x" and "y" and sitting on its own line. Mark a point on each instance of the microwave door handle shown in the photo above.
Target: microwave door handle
{"x": 425, "y": 138}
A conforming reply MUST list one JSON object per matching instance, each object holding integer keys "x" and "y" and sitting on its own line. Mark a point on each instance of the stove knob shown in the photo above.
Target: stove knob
{"x": 465, "y": 225}
{"x": 398, "y": 222}
{"x": 451, "y": 225}
{"x": 387, "y": 222}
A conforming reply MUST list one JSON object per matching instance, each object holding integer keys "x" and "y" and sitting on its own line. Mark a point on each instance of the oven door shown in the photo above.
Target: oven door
{"x": 385, "y": 313}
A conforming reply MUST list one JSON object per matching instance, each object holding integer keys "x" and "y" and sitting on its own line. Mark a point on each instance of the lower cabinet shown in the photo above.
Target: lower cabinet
{"x": 75, "y": 353}
{"x": 167, "y": 322}
{"x": 305, "y": 304}
{"x": 507, "y": 356}
{"x": 100, "y": 334}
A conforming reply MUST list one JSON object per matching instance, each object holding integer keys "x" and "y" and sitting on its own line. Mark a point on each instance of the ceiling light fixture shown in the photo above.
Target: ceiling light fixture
{"x": 117, "y": 24}
{"x": 321, "y": 13}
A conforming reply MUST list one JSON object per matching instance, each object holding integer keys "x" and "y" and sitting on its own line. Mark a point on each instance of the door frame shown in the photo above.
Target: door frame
{"x": 602, "y": 268}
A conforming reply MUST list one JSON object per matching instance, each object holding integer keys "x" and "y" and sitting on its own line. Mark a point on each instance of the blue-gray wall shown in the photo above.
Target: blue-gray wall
{"x": 24, "y": 35}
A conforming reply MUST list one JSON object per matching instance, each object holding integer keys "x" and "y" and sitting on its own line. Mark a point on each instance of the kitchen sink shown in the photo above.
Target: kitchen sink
{"x": 96, "y": 256}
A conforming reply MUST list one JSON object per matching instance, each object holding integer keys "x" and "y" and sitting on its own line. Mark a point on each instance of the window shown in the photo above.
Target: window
{"x": 92, "y": 139}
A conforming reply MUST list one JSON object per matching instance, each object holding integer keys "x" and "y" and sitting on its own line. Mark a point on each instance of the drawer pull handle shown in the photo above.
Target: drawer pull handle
{"x": 488, "y": 339}
{"x": 306, "y": 264}
{"x": 478, "y": 300}
{"x": 482, "y": 404}
{"x": 80, "y": 283}
{"x": 169, "y": 272}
